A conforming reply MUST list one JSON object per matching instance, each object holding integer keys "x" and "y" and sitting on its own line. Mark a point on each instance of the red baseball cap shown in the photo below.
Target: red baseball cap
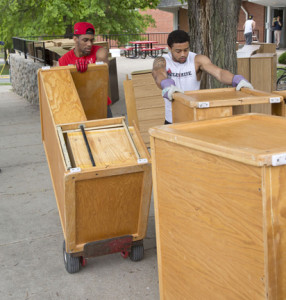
{"x": 83, "y": 28}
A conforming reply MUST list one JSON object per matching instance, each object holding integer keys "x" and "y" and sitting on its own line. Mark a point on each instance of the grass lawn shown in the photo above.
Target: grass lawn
{"x": 5, "y": 71}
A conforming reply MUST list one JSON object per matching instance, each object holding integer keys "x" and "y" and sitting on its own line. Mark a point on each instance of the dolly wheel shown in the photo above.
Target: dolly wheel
{"x": 137, "y": 253}
{"x": 124, "y": 254}
{"x": 71, "y": 263}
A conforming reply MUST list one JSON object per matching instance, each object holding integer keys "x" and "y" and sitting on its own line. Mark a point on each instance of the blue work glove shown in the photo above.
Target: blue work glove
{"x": 169, "y": 88}
{"x": 238, "y": 81}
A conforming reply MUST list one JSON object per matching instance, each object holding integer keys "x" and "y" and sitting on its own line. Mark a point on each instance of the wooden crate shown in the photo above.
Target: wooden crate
{"x": 144, "y": 102}
{"x": 103, "y": 202}
{"x": 266, "y": 47}
{"x": 279, "y": 109}
{"x": 215, "y": 103}
{"x": 220, "y": 208}
{"x": 263, "y": 77}
{"x": 75, "y": 96}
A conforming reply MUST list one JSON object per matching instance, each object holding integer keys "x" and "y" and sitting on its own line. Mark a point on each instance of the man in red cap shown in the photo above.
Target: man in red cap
{"x": 85, "y": 52}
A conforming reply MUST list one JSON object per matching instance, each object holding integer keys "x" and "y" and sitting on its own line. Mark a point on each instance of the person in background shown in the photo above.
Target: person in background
{"x": 277, "y": 26}
{"x": 85, "y": 52}
{"x": 181, "y": 70}
{"x": 249, "y": 27}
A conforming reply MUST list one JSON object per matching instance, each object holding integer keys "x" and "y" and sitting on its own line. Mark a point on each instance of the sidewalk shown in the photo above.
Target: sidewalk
{"x": 30, "y": 232}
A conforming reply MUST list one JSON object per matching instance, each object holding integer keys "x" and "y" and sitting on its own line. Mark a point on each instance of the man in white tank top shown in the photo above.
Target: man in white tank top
{"x": 180, "y": 70}
{"x": 248, "y": 27}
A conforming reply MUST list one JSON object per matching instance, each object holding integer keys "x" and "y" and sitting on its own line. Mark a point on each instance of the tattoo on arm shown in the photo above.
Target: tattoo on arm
{"x": 159, "y": 70}
{"x": 159, "y": 63}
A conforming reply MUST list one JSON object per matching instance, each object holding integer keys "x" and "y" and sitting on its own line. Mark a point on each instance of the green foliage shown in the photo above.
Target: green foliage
{"x": 24, "y": 18}
{"x": 282, "y": 58}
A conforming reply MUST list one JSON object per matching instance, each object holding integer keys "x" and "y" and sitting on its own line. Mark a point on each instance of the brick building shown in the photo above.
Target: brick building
{"x": 172, "y": 14}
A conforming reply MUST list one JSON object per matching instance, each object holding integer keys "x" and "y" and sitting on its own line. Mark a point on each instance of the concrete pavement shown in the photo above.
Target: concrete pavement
{"x": 30, "y": 232}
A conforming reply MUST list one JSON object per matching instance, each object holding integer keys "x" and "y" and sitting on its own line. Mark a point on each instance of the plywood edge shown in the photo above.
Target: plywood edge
{"x": 157, "y": 217}
{"x": 255, "y": 97}
{"x": 173, "y": 134}
{"x": 141, "y": 72}
{"x": 130, "y": 102}
{"x": 92, "y": 123}
{"x": 141, "y": 141}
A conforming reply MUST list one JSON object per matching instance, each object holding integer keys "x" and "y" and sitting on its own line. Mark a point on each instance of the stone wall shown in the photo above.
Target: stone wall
{"x": 23, "y": 74}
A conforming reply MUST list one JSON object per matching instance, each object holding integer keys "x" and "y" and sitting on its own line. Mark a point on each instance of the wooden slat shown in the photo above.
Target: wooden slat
{"x": 130, "y": 102}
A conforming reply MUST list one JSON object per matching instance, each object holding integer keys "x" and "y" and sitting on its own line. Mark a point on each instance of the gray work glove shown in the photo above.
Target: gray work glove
{"x": 239, "y": 82}
{"x": 169, "y": 88}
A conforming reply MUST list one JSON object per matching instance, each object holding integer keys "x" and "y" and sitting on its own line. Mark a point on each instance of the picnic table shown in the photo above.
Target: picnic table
{"x": 142, "y": 49}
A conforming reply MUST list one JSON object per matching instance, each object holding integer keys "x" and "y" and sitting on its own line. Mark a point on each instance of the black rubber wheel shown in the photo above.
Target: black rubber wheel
{"x": 136, "y": 253}
{"x": 72, "y": 264}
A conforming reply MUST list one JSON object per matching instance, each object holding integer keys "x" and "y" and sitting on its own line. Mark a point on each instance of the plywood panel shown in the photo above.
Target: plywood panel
{"x": 62, "y": 96}
{"x": 243, "y": 67}
{"x": 212, "y": 221}
{"x": 229, "y": 211}
{"x": 92, "y": 87}
{"x": 112, "y": 210}
{"x": 109, "y": 148}
{"x": 53, "y": 151}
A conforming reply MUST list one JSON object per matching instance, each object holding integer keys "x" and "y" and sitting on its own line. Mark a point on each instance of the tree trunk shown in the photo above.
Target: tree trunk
{"x": 213, "y": 31}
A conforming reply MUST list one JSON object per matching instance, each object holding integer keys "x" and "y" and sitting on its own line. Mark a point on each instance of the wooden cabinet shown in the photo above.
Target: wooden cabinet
{"x": 220, "y": 208}
{"x": 215, "y": 103}
{"x": 144, "y": 102}
{"x": 263, "y": 77}
{"x": 100, "y": 169}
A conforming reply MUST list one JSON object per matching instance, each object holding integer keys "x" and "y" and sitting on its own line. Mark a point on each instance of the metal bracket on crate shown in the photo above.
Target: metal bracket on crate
{"x": 132, "y": 142}
{"x": 203, "y": 104}
{"x": 274, "y": 100}
{"x": 64, "y": 148}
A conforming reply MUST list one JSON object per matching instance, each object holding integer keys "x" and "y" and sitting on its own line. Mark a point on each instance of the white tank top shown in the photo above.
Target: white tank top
{"x": 184, "y": 76}
{"x": 248, "y": 26}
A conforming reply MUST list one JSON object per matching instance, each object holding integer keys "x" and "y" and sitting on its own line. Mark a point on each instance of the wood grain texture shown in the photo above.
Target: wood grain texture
{"x": 279, "y": 109}
{"x": 275, "y": 225}
{"x": 244, "y": 138}
{"x": 109, "y": 148}
{"x": 243, "y": 67}
{"x": 62, "y": 96}
{"x": 53, "y": 151}
{"x": 183, "y": 113}
{"x": 210, "y": 225}
{"x": 144, "y": 102}
{"x": 107, "y": 207}
{"x": 92, "y": 87}
{"x": 263, "y": 77}
{"x": 130, "y": 102}
{"x": 223, "y": 97}
{"x": 224, "y": 218}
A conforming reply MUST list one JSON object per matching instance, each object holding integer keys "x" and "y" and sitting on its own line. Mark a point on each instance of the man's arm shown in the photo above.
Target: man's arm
{"x": 159, "y": 70}
{"x": 203, "y": 63}
{"x": 253, "y": 25}
{"x": 102, "y": 55}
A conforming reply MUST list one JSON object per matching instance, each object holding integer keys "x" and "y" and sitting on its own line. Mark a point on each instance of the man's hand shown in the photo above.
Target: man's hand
{"x": 81, "y": 65}
{"x": 239, "y": 82}
{"x": 169, "y": 88}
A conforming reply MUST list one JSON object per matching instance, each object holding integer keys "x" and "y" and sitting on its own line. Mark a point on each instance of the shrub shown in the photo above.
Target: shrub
{"x": 282, "y": 58}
